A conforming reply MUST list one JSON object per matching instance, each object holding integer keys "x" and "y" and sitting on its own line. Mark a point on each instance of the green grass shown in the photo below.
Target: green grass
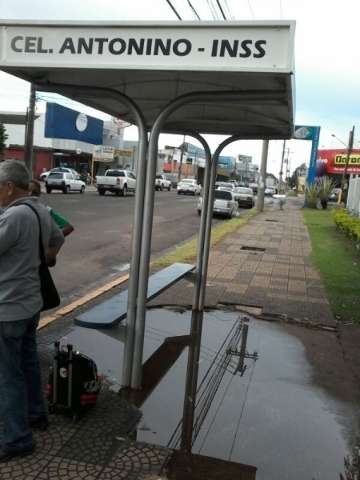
{"x": 186, "y": 252}
{"x": 338, "y": 261}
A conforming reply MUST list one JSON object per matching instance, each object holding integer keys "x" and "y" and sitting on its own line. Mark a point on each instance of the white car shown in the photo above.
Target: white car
{"x": 244, "y": 196}
{"x": 270, "y": 191}
{"x": 162, "y": 183}
{"x": 188, "y": 185}
{"x": 225, "y": 185}
{"x": 45, "y": 175}
{"x": 224, "y": 203}
{"x": 64, "y": 181}
{"x": 116, "y": 181}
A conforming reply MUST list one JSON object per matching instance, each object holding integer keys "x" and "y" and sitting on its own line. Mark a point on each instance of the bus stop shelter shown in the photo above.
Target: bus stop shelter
{"x": 225, "y": 78}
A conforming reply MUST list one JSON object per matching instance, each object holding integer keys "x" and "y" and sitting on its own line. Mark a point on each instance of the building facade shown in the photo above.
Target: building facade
{"x": 62, "y": 137}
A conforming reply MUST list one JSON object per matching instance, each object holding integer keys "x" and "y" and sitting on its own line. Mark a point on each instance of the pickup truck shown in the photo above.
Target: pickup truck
{"x": 117, "y": 181}
{"x": 161, "y": 182}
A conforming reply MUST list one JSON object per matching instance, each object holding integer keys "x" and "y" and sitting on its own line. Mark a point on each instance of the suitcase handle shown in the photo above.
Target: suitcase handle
{"x": 55, "y": 372}
{"x": 70, "y": 374}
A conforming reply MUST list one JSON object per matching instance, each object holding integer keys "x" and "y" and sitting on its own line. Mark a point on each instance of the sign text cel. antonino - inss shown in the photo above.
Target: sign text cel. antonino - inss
{"x": 180, "y": 47}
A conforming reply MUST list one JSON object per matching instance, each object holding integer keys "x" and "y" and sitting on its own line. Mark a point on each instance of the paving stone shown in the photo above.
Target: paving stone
{"x": 236, "y": 288}
{"x": 227, "y": 273}
{"x": 244, "y": 277}
{"x": 258, "y": 281}
{"x": 297, "y": 286}
{"x": 249, "y": 266}
{"x": 311, "y": 273}
{"x": 59, "y": 468}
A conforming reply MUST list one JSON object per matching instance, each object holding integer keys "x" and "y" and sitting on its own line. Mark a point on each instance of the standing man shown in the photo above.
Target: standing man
{"x": 22, "y": 405}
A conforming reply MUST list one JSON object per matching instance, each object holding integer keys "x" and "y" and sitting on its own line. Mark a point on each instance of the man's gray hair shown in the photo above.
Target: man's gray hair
{"x": 15, "y": 172}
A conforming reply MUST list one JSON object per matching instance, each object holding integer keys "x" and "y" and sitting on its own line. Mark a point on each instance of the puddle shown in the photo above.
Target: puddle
{"x": 274, "y": 417}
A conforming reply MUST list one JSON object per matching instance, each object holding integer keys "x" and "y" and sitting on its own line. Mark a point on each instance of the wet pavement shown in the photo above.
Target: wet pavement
{"x": 274, "y": 417}
{"x": 292, "y": 415}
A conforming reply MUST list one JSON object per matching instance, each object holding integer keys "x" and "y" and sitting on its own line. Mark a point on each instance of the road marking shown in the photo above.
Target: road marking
{"x": 61, "y": 312}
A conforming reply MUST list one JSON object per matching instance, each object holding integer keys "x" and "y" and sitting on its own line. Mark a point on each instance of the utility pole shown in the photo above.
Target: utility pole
{"x": 262, "y": 177}
{"x": 348, "y": 154}
{"x": 29, "y": 130}
{"x": 282, "y": 166}
{"x": 181, "y": 159}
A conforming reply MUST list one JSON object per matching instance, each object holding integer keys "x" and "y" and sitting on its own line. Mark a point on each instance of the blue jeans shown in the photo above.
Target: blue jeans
{"x": 21, "y": 395}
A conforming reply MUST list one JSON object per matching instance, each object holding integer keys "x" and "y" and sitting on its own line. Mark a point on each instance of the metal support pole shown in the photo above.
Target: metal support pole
{"x": 181, "y": 160}
{"x": 262, "y": 177}
{"x": 281, "y": 167}
{"x": 197, "y": 315}
{"x": 231, "y": 96}
{"x": 203, "y": 221}
{"x": 206, "y": 249}
{"x": 138, "y": 212}
{"x": 29, "y": 132}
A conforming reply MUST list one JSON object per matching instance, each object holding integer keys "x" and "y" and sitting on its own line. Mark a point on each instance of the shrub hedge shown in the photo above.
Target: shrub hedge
{"x": 347, "y": 223}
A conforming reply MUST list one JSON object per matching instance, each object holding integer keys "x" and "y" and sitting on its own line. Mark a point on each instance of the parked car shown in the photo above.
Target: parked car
{"x": 188, "y": 185}
{"x": 224, "y": 203}
{"x": 64, "y": 181}
{"x": 334, "y": 195}
{"x": 116, "y": 181}
{"x": 244, "y": 197}
{"x": 254, "y": 187}
{"x": 45, "y": 175}
{"x": 270, "y": 191}
{"x": 162, "y": 183}
{"x": 225, "y": 185}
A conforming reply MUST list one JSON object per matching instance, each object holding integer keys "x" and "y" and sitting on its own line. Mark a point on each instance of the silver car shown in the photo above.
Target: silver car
{"x": 244, "y": 196}
{"x": 224, "y": 204}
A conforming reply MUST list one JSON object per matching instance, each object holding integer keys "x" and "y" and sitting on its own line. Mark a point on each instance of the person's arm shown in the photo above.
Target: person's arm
{"x": 8, "y": 232}
{"x": 62, "y": 223}
{"x": 56, "y": 241}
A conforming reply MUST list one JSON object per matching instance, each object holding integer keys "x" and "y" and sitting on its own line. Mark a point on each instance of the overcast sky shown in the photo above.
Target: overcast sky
{"x": 327, "y": 58}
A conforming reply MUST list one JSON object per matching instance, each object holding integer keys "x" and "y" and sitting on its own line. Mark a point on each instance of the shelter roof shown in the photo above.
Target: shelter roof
{"x": 246, "y": 68}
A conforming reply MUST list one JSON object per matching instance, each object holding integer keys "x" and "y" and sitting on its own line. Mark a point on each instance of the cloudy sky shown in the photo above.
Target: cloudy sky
{"x": 327, "y": 58}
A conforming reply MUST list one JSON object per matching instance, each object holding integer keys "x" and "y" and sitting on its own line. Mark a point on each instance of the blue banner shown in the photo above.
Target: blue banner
{"x": 63, "y": 122}
{"x": 303, "y": 132}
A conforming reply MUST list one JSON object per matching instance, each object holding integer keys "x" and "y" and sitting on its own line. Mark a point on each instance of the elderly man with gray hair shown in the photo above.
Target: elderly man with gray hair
{"x": 22, "y": 405}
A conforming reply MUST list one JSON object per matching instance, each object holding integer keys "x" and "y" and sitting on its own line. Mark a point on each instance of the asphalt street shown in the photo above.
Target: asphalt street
{"x": 100, "y": 246}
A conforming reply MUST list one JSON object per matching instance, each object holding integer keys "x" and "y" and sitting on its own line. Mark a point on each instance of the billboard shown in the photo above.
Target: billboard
{"x": 63, "y": 122}
{"x": 305, "y": 132}
{"x": 334, "y": 161}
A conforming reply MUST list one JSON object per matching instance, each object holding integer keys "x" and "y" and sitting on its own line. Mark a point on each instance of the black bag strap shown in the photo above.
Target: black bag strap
{"x": 42, "y": 252}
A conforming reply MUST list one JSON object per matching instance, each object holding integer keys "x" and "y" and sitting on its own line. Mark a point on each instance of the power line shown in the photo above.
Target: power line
{"x": 193, "y": 9}
{"x": 212, "y": 10}
{"x": 221, "y": 9}
{"x": 228, "y": 10}
{"x": 173, "y": 9}
{"x": 251, "y": 9}
{"x": 241, "y": 413}
{"x": 216, "y": 413}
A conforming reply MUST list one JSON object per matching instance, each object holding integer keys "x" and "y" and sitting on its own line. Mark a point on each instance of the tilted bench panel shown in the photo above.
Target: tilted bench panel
{"x": 112, "y": 311}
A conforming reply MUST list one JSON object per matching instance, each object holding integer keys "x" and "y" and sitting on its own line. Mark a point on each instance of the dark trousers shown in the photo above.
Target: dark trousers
{"x": 21, "y": 395}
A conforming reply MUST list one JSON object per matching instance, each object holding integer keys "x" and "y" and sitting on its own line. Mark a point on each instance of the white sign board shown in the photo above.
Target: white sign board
{"x": 209, "y": 46}
{"x": 102, "y": 153}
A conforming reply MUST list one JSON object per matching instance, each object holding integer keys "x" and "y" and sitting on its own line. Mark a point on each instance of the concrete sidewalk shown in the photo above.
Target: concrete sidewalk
{"x": 266, "y": 264}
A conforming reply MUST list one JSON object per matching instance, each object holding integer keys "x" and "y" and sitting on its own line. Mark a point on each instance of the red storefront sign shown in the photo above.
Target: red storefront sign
{"x": 334, "y": 161}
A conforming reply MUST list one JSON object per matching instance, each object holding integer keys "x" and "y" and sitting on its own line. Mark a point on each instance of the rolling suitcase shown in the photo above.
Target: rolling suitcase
{"x": 74, "y": 384}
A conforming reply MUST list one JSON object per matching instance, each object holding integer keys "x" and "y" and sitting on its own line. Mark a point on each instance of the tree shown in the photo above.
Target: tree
{"x": 3, "y": 138}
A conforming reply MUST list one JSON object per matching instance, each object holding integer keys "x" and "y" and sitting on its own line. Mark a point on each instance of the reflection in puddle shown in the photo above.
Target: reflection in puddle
{"x": 273, "y": 416}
